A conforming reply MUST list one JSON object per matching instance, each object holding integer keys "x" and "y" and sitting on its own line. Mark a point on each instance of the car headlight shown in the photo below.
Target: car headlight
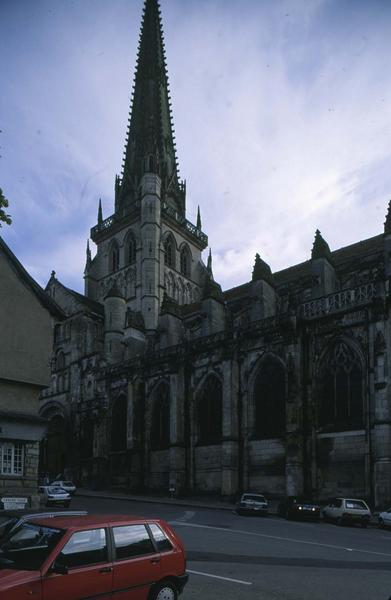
{"x": 300, "y": 507}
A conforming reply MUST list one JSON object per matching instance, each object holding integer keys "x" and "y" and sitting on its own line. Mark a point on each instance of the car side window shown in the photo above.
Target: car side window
{"x": 84, "y": 548}
{"x": 132, "y": 540}
{"x": 162, "y": 542}
{"x": 338, "y": 503}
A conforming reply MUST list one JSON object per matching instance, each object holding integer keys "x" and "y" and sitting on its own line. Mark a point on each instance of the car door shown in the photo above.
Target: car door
{"x": 87, "y": 570}
{"x": 136, "y": 562}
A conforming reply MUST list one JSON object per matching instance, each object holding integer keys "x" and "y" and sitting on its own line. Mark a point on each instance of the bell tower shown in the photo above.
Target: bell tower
{"x": 149, "y": 199}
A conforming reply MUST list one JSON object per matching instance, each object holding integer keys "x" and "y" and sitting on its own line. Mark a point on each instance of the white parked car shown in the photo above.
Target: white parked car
{"x": 384, "y": 518}
{"x": 54, "y": 495}
{"x": 347, "y": 510}
{"x": 68, "y": 486}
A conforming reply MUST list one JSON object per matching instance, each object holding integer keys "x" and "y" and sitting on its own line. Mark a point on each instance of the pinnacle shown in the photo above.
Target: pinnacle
{"x": 262, "y": 271}
{"x": 320, "y": 249}
{"x": 387, "y": 222}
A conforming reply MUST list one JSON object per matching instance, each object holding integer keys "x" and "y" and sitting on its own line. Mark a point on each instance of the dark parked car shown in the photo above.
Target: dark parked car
{"x": 252, "y": 504}
{"x": 299, "y": 507}
{"x": 11, "y": 519}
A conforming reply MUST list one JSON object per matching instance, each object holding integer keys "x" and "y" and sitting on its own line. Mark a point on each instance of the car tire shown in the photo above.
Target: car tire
{"x": 381, "y": 523}
{"x": 165, "y": 590}
{"x": 340, "y": 521}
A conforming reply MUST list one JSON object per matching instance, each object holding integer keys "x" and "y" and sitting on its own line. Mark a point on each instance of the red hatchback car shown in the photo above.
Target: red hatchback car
{"x": 101, "y": 556}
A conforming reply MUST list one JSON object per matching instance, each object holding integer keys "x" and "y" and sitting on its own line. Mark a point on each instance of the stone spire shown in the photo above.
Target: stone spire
{"x": 387, "y": 222}
{"x": 209, "y": 265}
{"x": 100, "y": 215}
{"x": 88, "y": 257}
{"x": 261, "y": 270}
{"x": 320, "y": 249}
{"x": 199, "y": 226}
{"x": 150, "y": 145}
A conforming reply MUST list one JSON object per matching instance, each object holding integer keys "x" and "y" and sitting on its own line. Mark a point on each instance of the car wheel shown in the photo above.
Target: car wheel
{"x": 165, "y": 590}
{"x": 340, "y": 521}
{"x": 381, "y": 523}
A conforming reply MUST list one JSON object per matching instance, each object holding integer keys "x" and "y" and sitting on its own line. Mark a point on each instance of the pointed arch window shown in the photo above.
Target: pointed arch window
{"x": 341, "y": 389}
{"x": 60, "y": 360}
{"x": 160, "y": 426}
{"x": 210, "y": 412}
{"x": 269, "y": 399}
{"x": 119, "y": 425}
{"x": 114, "y": 258}
{"x": 131, "y": 250}
{"x": 169, "y": 252}
{"x": 185, "y": 261}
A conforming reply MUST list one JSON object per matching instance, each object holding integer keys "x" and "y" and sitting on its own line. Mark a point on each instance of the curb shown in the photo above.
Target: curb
{"x": 167, "y": 501}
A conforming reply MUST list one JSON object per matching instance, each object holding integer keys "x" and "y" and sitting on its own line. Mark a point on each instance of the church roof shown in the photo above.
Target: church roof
{"x": 150, "y": 143}
{"x": 40, "y": 293}
{"x": 341, "y": 259}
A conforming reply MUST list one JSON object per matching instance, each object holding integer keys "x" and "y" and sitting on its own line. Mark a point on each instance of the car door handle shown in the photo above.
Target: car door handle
{"x": 106, "y": 570}
{"x": 155, "y": 561}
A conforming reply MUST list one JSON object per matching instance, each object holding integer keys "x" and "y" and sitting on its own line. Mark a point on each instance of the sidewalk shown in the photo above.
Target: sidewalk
{"x": 193, "y": 502}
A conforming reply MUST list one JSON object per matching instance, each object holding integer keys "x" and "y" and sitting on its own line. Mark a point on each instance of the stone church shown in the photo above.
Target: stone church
{"x": 161, "y": 379}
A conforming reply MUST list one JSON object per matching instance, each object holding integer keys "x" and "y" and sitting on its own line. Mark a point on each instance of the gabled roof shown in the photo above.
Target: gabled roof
{"x": 91, "y": 304}
{"x": 40, "y": 293}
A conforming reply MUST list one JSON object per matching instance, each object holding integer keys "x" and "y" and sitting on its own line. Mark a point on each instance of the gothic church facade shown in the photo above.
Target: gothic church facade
{"x": 160, "y": 378}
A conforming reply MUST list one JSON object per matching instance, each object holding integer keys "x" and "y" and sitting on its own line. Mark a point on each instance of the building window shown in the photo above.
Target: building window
{"x": 160, "y": 429}
{"x": 119, "y": 425}
{"x": 340, "y": 391}
{"x": 60, "y": 361}
{"x": 269, "y": 399}
{"x": 11, "y": 459}
{"x": 210, "y": 412}
{"x": 114, "y": 258}
{"x": 169, "y": 252}
{"x": 185, "y": 261}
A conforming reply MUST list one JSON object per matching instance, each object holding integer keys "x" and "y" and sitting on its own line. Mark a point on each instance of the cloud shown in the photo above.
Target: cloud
{"x": 282, "y": 113}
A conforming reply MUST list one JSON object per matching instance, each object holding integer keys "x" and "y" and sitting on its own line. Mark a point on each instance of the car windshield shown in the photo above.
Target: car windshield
{"x": 6, "y": 523}
{"x": 28, "y": 547}
{"x": 253, "y": 497}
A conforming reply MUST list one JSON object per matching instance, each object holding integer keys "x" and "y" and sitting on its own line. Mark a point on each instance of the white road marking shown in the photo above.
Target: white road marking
{"x": 276, "y": 537}
{"x": 220, "y": 577}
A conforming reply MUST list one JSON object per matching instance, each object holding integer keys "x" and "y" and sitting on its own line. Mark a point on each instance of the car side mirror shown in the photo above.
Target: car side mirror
{"x": 59, "y": 568}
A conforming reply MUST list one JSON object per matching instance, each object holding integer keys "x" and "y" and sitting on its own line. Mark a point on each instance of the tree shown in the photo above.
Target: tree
{"x": 4, "y": 204}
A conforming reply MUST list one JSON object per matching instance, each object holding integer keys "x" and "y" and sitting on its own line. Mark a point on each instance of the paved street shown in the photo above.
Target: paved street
{"x": 234, "y": 558}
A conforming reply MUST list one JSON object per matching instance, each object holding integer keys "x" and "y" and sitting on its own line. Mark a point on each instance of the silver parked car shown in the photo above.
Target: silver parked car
{"x": 384, "y": 518}
{"x": 54, "y": 495}
{"x": 347, "y": 510}
{"x": 250, "y": 503}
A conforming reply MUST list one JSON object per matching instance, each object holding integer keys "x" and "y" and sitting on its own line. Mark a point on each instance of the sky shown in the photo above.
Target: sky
{"x": 282, "y": 116}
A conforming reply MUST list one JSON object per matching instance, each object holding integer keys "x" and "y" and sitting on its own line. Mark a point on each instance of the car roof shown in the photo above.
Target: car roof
{"x": 352, "y": 499}
{"x": 84, "y": 521}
